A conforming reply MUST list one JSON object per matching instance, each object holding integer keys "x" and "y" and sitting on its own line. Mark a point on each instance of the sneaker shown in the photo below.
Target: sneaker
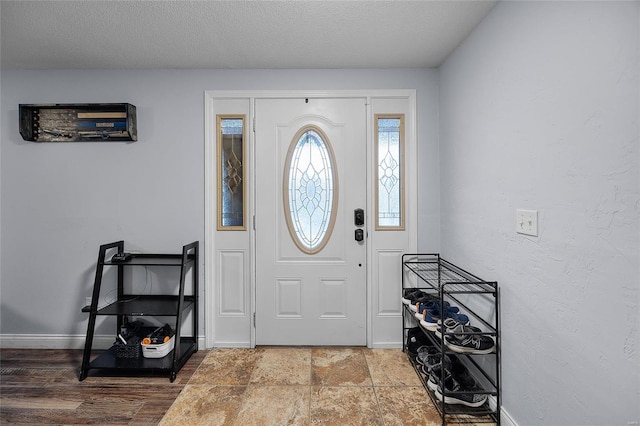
{"x": 410, "y": 296}
{"x": 427, "y": 324}
{"x": 428, "y": 356}
{"x": 456, "y": 392}
{"x": 452, "y": 367}
{"x": 433, "y": 318}
{"x": 419, "y": 308}
{"x": 450, "y": 324}
{"x": 415, "y": 339}
{"x": 433, "y": 367}
{"x": 467, "y": 340}
{"x": 432, "y": 304}
{"x": 411, "y": 293}
{"x": 424, "y": 300}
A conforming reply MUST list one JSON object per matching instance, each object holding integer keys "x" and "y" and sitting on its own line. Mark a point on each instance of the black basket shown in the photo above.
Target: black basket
{"x": 130, "y": 350}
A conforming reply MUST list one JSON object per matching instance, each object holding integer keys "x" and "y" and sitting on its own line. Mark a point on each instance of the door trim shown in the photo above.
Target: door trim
{"x": 216, "y": 101}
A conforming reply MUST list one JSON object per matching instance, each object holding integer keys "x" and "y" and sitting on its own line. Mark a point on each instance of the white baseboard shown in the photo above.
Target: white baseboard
{"x": 59, "y": 341}
{"x": 51, "y": 341}
{"x": 506, "y": 419}
{"x": 229, "y": 345}
{"x": 386, "y": 345}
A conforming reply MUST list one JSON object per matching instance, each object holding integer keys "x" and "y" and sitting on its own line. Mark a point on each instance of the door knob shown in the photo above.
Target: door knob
{"x": 359, "y": 235}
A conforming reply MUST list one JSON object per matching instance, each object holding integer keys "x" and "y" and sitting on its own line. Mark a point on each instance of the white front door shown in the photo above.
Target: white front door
{"x": 310, "y": 177}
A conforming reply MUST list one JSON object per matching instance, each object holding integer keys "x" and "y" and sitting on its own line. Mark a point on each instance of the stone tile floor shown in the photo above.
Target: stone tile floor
{"x": 303, "y": 386}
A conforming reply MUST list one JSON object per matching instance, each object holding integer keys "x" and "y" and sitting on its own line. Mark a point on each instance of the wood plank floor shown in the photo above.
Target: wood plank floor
{"x": 41, "y": 386}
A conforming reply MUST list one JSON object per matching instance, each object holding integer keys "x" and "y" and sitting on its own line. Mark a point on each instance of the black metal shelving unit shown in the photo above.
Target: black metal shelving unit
{"x": 479, "y": 300}
{"x": 128, "y": 306}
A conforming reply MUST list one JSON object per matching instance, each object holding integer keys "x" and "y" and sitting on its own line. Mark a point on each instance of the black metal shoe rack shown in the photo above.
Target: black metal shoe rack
{"x": 479, "y": 300}
{"x": 178, "y": 305}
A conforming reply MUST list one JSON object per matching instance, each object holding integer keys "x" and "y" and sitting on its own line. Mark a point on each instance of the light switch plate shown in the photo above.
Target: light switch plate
{"x": 527, "y": 222}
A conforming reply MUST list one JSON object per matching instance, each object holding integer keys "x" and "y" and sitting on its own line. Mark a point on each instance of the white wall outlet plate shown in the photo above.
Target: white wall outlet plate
{"x": 527, "y": 222}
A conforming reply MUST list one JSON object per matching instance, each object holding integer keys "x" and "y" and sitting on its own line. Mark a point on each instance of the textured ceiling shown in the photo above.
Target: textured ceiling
{"x": 233, "y": 34}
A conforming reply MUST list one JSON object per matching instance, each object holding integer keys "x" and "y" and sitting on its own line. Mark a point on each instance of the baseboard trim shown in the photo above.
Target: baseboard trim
{"x": 506, "y": 419}
{"x": 59, "y": 341}
{"x": 230, "y": 345}
{"x": 386, "y": 345}
{"x": 51, "y": 341}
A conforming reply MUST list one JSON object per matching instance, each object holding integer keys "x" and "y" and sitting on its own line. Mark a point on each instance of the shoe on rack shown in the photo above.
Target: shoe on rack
{"x": 415, "y": 339}
{"x": 420, "y": 302}
{"x": 452, "y": 367}
{"x": 409, "y": 294}
{"x": 434, "y": 304}
{"x": 466, "y": 339}
{"x": 428, "y": 325}
{"x": 432, "y": 366}
{"x": 428, "y": 355}
{"x": 434, "y": 317}
{"x": 456, "y": 392}
{"x": 450, "y": 324}
{"x": 421, "y": 309}
{"x": 431, "y": 304}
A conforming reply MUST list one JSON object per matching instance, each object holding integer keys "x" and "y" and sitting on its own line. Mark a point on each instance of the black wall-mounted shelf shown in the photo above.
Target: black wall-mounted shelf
{"x": 78, "y": 122}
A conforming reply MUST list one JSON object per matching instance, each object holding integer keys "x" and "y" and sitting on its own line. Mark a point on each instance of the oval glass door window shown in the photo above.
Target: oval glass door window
{"x": 310, "y": 189}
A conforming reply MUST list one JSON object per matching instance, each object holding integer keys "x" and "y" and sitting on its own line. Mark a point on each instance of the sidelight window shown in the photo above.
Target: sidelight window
{"x": 389, "y": 152}
{"x": 231, "y": 179}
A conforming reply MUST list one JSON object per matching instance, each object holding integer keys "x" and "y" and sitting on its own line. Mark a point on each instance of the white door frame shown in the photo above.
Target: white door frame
{"x": 228, "y": 320}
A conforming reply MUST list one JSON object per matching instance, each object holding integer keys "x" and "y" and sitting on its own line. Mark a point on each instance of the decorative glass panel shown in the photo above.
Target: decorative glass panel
{"x": 310, "y": 189}
{"x": 231, "y": 180}
{"x": 389, "y": 174}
